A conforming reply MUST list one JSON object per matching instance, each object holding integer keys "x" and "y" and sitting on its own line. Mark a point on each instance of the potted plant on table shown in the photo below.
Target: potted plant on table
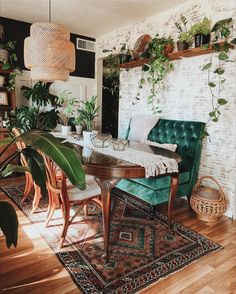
{"x": 69, "y": 111}
{"x": 201, "y": 32}
{"x": 185, "y": 36}
{"x": 87, "y": 112}
{"x": 79, "y": 124}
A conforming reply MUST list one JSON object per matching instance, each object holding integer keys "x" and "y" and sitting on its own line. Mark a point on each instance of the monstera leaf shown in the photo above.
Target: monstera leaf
{"x": 8, "y": 223}
{"x": 64, "y": 156}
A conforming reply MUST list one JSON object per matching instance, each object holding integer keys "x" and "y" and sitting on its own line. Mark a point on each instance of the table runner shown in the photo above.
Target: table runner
{"x": 154, "y": 165}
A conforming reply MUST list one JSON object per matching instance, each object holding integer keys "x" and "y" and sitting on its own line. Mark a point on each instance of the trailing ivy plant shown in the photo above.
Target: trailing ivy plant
{"x": 157, "y": 68}
{"x": 216, "y": 74}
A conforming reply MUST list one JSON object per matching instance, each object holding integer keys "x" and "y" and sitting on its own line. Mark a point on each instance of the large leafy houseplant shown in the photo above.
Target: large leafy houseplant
{"x": 26, "y": 118}
{"x": 157, "y": 68}
{"x": 215, "y": 74}
{"x": 37, "y": 142}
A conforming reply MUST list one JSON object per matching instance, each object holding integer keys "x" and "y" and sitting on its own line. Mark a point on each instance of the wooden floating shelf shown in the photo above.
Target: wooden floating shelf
{"x": 175, "y": 55}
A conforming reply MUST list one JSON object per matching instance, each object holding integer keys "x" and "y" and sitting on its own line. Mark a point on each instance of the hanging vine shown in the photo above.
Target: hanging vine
{"x": 215, "y": 75}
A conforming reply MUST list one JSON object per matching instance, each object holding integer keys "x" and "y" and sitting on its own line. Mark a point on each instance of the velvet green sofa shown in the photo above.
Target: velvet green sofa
{"x": 186, "y": 134}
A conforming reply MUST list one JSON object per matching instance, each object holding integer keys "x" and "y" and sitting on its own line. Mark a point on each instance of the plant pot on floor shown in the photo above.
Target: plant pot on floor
{"x": 201, "y": 40}
{"x": 182, "y": 45}
{"x": 65, "y": 130}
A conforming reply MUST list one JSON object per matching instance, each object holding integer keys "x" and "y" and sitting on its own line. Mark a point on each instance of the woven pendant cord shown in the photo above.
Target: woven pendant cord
{"x": 48, "y": 52}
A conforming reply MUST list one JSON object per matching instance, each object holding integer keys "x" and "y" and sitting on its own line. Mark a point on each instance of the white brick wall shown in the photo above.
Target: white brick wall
{"x": 186, "y": 95}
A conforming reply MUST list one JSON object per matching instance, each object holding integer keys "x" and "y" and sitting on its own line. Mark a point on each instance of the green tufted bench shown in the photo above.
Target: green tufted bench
{"x": 186, "y": 134}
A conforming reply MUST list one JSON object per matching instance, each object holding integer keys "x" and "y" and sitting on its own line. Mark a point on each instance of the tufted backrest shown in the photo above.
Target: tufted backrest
{"x": 186, "y": 134}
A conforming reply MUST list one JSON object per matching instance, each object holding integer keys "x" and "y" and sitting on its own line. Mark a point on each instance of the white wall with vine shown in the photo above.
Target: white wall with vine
{"x": 186, "y": 95}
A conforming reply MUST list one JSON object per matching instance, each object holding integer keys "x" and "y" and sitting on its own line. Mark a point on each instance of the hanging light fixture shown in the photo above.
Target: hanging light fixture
{"x": 48, "y": 52}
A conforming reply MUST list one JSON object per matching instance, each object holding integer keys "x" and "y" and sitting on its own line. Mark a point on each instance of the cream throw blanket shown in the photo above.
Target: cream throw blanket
{"x": 154, "y": 164}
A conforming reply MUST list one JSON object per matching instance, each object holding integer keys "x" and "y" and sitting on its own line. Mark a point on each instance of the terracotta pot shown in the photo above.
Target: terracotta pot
{"x": 168, "y": 48}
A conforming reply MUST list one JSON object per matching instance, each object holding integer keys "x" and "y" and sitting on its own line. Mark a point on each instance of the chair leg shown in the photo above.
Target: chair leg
{"x": 173, "y": 190}
{"x": 51, "y": 212}
{"x": 37, "y": 197}
{"x": 65, "y": 226}
{"x": 86, "y": 209}
{"x": 28, "y": 186}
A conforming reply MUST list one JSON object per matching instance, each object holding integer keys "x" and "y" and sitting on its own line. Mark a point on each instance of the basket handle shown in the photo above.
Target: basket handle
{"x": 222, "y": 194}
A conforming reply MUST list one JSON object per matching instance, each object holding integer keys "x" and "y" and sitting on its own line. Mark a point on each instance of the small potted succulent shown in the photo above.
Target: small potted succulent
{"x": 87, "y": 113}
{"x": 185, "y": 36}
{"x": 201, "y": 32}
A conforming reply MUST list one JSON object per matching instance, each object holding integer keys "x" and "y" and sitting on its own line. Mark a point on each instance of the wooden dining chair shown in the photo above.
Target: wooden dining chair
{"x": 29, "y": 182}
{"x": 62, "y": 193}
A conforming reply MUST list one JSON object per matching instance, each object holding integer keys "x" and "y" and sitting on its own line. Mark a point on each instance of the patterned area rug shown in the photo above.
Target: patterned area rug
{"x": 142, "y": 250}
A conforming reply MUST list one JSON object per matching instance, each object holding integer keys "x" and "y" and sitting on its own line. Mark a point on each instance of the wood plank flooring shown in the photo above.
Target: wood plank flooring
{"x": 33, "y": 268}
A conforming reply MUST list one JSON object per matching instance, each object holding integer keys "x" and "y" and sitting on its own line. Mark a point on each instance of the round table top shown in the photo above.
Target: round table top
{"x": 105, "y": 166}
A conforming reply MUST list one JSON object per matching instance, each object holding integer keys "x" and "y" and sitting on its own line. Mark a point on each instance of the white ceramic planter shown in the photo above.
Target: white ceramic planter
{"x": 79, "y": 130}
{"x": 65, "y": 130}
{"x": 87, "y": 138}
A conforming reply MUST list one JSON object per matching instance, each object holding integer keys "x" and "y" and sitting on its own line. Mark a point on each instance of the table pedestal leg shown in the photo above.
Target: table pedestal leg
{"x": 106, "y": 185}
{"x": 173, "y": 190}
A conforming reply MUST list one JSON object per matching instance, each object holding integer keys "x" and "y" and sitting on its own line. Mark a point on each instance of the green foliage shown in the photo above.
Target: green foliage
{"x": 71, "y": 104}
{"x": 26, "y": 118}
{"x": 88, "y": 112}
{"x": 215, "y": 75}
{"x": 23, "y": 118}
{"x": 222, "y": 28}
{"x": 157, "y": 68}
{"x": 12, "y": 79}
{"x": 184, "y": 34}
{"x": 8, "y": 223}
{"x": 40, "y": 94}
{"x": 202, "y": 27}
{"x": 10, "y": 47}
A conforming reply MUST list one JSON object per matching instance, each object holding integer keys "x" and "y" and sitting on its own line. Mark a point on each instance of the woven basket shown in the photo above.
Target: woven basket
{"x": 208, "y": 203}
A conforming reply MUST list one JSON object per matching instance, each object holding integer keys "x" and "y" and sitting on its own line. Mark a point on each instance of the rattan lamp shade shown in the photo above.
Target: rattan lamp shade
{"x": 48, "y": 53}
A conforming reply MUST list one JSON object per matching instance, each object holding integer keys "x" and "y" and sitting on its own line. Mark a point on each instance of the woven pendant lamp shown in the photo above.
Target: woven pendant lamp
{"x": 48, "y": 52}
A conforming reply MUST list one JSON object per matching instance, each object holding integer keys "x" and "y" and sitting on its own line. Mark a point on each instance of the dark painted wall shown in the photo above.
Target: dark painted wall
{"x": 18, "y": 30}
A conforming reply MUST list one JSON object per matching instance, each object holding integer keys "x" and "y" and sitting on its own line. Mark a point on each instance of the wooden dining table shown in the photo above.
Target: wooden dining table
{"x": 108, "y": 171}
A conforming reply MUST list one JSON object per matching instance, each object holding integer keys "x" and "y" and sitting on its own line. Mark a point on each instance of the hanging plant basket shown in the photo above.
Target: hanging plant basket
{"x": 207, "y": 202}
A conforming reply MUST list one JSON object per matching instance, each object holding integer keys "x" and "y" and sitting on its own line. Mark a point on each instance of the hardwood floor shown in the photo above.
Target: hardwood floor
{"x": 33, "y": 268}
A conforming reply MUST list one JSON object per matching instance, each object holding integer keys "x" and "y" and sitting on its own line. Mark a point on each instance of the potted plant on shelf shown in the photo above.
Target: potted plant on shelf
{"x": 157, "y": 68}
{"x": 185, "y": 36}
{"x": 79, "y": 124}
{"x": 201, "y": 32}
{"x": 69, "y": 111}
{"x": 87, "y": 113}
{"x": 125, "y": 54}
{"x": 7, "y": 55}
